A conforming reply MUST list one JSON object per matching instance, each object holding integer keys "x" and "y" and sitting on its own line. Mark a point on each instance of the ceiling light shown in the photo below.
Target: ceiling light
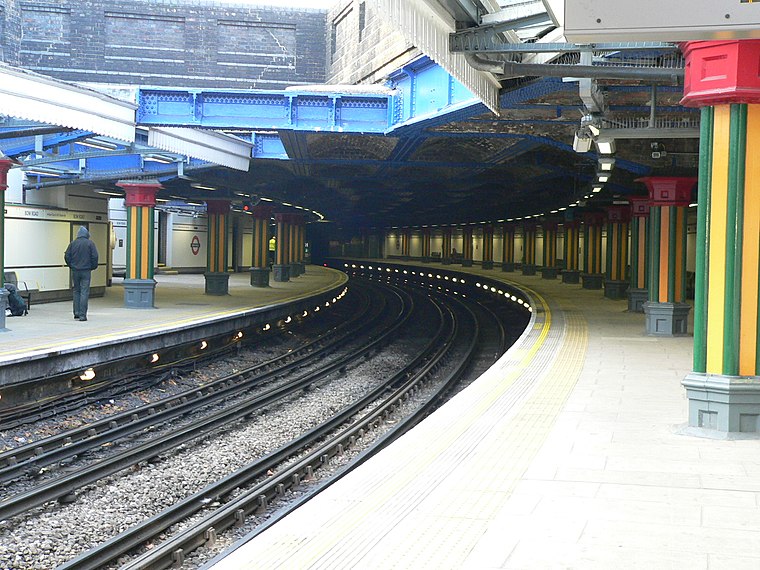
{"x": 202, "y": 187}
{"x": 606, "y": 163}
{"x": 45, "y": 171}
{"x": 605, "y": 145}
{"x": 602, "y": 176}
{"x": 98, "y": 144}
{"x": 160, "y": 158}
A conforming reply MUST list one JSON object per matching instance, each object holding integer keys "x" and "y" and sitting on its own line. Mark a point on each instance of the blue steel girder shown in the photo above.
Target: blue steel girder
{"x": 269, "y": 145}
{"x": 293, "y": 110}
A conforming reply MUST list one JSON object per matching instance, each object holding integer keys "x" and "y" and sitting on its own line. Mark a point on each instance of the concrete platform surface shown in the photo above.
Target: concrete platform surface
{"x": 568, "y": 453}
{"x": 180, "y": 300}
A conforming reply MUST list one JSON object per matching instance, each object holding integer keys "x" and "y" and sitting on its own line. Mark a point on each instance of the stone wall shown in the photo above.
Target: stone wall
{"x": 166, "y": 42}
{"x": 363, "y": 45}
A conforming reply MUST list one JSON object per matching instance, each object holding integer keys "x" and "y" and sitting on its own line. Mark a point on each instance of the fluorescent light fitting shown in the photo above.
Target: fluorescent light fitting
{"x": 202, "y": 187}
{"x": 42, "y": 171}
{"x": 117, "y": 194}
{"x": 160, "y": 158}
{"x": 98, "y": 144}
{"x": 606, "y": 163}
{"x": 266, "y": 199}
{"x": 602, "y": 176}
{"x": 605, "y": 145}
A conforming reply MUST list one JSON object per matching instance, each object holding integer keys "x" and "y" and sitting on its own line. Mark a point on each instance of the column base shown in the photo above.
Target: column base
{"x": 666, "y": 319}
{"x": 427, "y": 259}
{"x": 615, "y": 290}
{"x": 636, "y": 300}
{"x": 508, "y": 266}
{"x": 467, "y": 263}
{"x": 259, "y": 276}
{"x": 592, "y": 280}
{"x": 528, "y": 269}
{"x": 446, "y": 261}
{"x": 723, "y": 403}
{"x": 487, "y": 265}
{"x": 139, "y": 293}
{"x": 295, "y": 270}
{"x": 281, "y": 273}
{"x": 572, "y": 277}
{"x": 217, "y": 283}
{"x": 549, "y": 273}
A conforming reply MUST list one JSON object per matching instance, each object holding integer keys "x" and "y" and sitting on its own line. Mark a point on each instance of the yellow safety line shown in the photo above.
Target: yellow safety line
{"x": 308, "y": 553}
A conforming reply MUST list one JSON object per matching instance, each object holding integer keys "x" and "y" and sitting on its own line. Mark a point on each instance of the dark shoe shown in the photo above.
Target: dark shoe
{"x": 82, "y": 318}
{"x": 76, "y": 318}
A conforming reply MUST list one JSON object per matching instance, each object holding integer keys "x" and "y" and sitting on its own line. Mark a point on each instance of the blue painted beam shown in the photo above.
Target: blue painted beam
{"x": 220, "y": 109}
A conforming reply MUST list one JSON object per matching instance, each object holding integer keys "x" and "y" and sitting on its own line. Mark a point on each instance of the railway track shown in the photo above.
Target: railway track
{"x": 448, "y": 354}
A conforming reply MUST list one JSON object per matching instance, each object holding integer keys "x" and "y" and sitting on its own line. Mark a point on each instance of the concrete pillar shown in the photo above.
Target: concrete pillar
{"x": 139, "y": 284}
{"x": 638, "y": 292}
{"x": 467, "y": 246}
{"x": 550, "y": 269}
{"x": 260, "y": 248}
{"x": 281, "y": 267}
{"x": 615, "y": 278}
{"x": 446, "y": 247}
{"x": 508, "y": 247}
{"x": 571, "y": 273}
{"x": 5, "y": 166}
{"x": 592, "y": 250}
{"x": 666, "y": 310}
{"x": 488, "y": 246}
{"x": 724, "y": 388}
{"x": 530, "y": 238}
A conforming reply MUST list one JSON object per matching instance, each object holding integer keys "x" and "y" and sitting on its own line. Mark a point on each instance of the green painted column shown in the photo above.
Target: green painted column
{"x": 467, "y": 246}
{"x": 592, "y": 275}
{"x": 260, "y": 247}
{"x": 722, "y": 78}
{"x": 666, "y": 310}
{"x": 571, "y": 273}
{"x": 140, "y": 202}
{"x": 530, "y": 238}
{"x": 550, "y": 269}
{"x": 638, "y": 292}
{"x": 5, "y": 166}
{"x": 508, "y": 247}
{"x": 217, "y": 229}
{"x": 615, "y": 277}
{"x": 446, "y": 246}
{"x": 488, "y": 246}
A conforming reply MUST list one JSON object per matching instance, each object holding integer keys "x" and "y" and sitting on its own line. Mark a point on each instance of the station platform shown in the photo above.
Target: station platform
{"x": 49, "y": 330}
{"x": 572, "y": 451}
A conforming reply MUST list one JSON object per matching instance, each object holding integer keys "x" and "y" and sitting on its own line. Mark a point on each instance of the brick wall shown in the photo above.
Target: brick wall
{"x": 165, "y": 42}
{"x": 363, "y": 46}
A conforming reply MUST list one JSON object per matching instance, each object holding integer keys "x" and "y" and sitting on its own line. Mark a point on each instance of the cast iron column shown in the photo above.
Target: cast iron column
{"x": 615, "y": 279}
{"x": 529, "y": 249}
{"x": 549, "y": 269}
{"x": 508, "y": 247}
{"x": 5, "y": 166}
{"x": 592, "y": 251}
{"x": 488, "y": 246}
{"x": 467, "y": 246}
{"x": 217, "y": 277}
{"x": 281, "y": 267}
{"x": 638, "y": 294}
{"x": 426, "y": 245}
{"x": 571, "y": 273}
{"x": 722, "y": 77}
{"x": 446, "y": 247}
{"x": 260, "y": 253}
{"x": 667, "y": 310}
{"x": 139, "y": 284}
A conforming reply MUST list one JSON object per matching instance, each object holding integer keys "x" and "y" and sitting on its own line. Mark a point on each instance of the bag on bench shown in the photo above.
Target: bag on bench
{"x": 16, "y": 304}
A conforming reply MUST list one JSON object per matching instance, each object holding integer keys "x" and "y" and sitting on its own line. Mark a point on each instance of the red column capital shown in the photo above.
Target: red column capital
{"x": 217, "y": 206}
{"x": 5, "y": 166}
{"x": 618, "y": 214}
{"x": 669, "y": 190}
{"x": 594, "y": 218}
{"x": 639, "y": 206}
{"x": 140, "y": 193}
{"x": 721, "y": 72}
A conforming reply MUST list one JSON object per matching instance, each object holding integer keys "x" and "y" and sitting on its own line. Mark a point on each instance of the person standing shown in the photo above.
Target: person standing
{"x": 82, "y": 257}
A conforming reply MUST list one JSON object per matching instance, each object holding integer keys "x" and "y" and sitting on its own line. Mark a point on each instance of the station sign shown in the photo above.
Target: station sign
{"x": 32, "y": 213}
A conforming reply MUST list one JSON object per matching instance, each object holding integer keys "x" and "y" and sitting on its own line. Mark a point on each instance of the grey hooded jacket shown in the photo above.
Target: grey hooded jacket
{"x": 81, "y": 254}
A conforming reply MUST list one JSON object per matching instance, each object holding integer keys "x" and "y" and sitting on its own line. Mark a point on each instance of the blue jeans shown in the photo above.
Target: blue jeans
{"x": 81, "y": 280}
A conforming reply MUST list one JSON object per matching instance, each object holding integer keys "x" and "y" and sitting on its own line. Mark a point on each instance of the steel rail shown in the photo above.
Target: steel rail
{"x": 15, "y": 462}
{"x": 65, "y": 485}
